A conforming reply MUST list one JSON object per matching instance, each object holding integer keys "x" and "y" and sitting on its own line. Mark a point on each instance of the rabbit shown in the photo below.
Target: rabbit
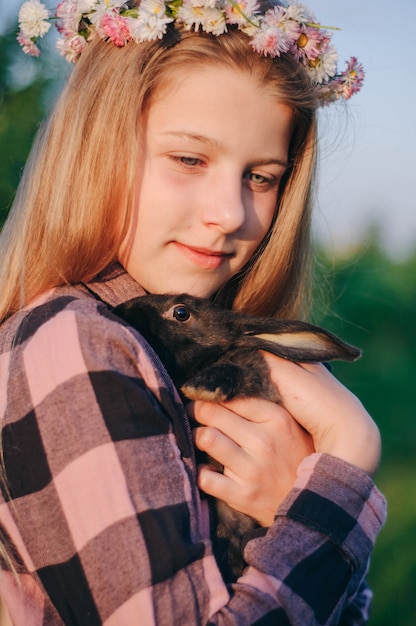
{"x": 214, "y": 354}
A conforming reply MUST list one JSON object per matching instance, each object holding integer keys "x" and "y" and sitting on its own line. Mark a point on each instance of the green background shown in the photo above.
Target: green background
{"x": 368, "y": 299}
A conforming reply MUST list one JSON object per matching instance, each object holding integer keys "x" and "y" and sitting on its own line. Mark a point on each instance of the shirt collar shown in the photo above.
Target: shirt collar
{"x": 114, "y": 285}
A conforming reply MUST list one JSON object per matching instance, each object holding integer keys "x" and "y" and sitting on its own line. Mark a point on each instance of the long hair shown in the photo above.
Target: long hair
{"x": 76, "y": 194}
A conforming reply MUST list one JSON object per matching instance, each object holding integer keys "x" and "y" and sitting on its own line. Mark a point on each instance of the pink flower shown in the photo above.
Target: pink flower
{"x": 310, "y": 43}
{"x": 266, "y": 42}
{"x": 343, "y": 85}
{"x": 276, "y": 34}
{"x": 115, "y": 27}
{"x": 28, "y": 46}
{"x": 68, "y": 18}
{"x": 71, "y": 47}
{"x": 352, "y": 78}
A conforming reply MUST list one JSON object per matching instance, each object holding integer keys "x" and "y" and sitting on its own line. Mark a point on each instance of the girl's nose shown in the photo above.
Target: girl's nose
{"x": 224, "y": 205}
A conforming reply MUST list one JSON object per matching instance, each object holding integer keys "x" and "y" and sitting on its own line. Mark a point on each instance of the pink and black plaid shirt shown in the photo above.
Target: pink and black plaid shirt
{"x": 101, "y": 515}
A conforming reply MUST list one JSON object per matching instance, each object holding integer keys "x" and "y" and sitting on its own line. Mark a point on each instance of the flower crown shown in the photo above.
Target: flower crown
{"x": 286, "y": 28}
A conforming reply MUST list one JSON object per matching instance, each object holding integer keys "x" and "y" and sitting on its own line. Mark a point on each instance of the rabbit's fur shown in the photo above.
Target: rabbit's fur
{"x": 215, "y": 354}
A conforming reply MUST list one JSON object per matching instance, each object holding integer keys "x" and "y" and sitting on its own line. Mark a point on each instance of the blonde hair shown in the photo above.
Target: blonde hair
{"x": 75, "y": 197}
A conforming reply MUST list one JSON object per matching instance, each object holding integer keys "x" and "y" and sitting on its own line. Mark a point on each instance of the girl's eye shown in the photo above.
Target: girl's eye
{"x": 258, "y": 179}
{"x": 260, "y": 182}
{"x": 190, "y": 161}
{"x": 187, "y": 161}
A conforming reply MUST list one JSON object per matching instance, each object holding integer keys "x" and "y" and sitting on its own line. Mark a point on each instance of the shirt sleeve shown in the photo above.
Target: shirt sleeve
{"x": 316, "y": 554}
{"x": 357, "y": 611}
{"x": 102, "y": 505}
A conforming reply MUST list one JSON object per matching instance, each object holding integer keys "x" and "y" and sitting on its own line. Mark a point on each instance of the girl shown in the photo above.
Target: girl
{"x": 176, "y": 160}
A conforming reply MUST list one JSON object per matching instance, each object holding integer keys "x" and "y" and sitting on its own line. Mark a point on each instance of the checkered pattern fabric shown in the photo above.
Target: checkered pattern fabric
{"x": 101, "y": 515}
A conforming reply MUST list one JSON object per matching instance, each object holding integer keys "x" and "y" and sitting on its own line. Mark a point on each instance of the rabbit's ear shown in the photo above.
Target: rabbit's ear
{"x": 307, "y": 344}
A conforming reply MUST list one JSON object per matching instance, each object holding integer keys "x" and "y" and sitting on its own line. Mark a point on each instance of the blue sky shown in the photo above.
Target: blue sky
{"x": 367, "y": 171}
{"x": 368, "y": 153}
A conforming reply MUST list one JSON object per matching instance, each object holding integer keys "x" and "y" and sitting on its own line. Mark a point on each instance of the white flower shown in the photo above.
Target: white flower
{"x": 156, "y": 7}
{"x": 69, "y": 16}
{"x": 240, "y": 11}
{"x": 32, "y": 19}
{"x": 207, "y": 4}
{"x": 214, "y": 22}
{"x": 300, "y": 13}
{"x": 85, "y": 6}
{"x": 148, "y": 26}
{"x": 197, "y": 15}
{"x": 101, "y": 7}
{"x": 151, "y": 22}
{"x": 71, "y": 47}
{"x": 325, "y": 66}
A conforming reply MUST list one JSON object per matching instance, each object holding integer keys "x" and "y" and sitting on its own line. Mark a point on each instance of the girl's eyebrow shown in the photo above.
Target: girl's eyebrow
{"x": 273, "y": 161}
{"x": 195, "y": 136}
{"x": 213, "y": 142}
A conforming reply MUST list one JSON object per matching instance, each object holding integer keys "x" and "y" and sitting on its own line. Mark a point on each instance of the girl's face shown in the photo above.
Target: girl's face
{"x": 215, "y": 147}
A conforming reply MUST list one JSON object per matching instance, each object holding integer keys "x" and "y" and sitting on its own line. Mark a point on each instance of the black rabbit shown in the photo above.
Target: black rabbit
{"x": 215, "y": 354}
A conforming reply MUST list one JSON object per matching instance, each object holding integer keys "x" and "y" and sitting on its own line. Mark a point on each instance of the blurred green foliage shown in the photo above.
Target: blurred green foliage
{"x": 372, "y": 303}
{"x": 27, "y": 89}
{"x": 20, "y": 113}
{"x": 367, "y": 298}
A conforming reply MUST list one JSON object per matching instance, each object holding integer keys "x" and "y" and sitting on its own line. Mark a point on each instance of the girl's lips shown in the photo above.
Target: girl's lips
{"x": 207, "y": 259}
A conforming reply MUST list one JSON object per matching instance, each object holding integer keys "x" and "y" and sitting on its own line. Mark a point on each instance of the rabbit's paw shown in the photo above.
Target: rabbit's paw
{"x": 217, "y": 383}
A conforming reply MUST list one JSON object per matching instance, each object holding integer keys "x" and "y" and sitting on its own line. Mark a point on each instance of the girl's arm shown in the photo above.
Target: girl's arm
{"x": 261, "y": 446}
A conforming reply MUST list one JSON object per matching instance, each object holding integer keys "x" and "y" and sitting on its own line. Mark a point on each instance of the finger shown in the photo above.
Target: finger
{"x": 218, "y": 485}
{"x": 305, "y": 386}
{"x": 224, "y": 420}
{"x": 238, "y": 494}
{"x": 284, "y": 372}
{"x": 222, "y": 449}
{"x": 336, "y": 419}
{"x": 228, "y": 415}
{"x": 254, "y": 436}
{"x": 211, "y": 414}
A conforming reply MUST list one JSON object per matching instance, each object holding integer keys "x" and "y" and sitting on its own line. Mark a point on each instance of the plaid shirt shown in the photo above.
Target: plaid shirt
{"x": 101, "y": 515}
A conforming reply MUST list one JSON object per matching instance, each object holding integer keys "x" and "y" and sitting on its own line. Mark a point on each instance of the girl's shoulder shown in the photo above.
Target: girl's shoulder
{"x": 68, "y": 332}
{"x": 84, "y": 304}
{"x": 52, "y": 314}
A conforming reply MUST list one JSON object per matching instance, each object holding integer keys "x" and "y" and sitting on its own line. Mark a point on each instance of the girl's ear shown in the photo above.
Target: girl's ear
{"x": 307, "y": 344}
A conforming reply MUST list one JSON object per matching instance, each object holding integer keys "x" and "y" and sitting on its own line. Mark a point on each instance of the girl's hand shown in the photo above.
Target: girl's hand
{"x": 260, "y": 447}
{"x": 335, "y": 418}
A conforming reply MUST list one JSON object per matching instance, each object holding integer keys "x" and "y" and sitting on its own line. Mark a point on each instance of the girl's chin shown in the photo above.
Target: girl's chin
{"x": 192, "y": 290}
{"x": 197, "y": 286}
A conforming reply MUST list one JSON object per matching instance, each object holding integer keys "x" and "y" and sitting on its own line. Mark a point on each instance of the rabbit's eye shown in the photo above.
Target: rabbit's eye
{"x": 181, "y": 313}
